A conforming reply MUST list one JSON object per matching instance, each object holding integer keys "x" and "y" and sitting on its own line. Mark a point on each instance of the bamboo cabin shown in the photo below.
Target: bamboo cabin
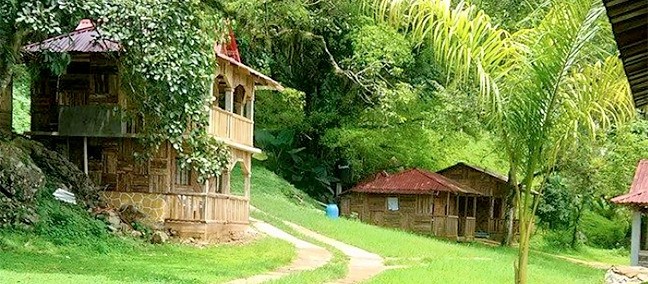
{"x": 79, "y": 114}
{"x": 637, "y": 200}
{"x": 415, "y": 200}
{"x": 493, "y": 188}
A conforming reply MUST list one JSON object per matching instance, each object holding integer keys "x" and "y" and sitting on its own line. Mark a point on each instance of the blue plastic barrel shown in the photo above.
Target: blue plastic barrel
{"x": 332, "y": 211}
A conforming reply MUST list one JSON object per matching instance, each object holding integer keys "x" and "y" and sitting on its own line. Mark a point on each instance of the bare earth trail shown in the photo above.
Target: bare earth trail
{"x": 309, "y": 256}
{"x": 362, "y": 265}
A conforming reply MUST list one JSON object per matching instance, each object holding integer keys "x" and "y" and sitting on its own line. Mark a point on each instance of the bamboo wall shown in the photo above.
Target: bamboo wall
{"x": 423, "y": 214}
{"x": 482, "y": 182}
{"x": 91, "y": 79}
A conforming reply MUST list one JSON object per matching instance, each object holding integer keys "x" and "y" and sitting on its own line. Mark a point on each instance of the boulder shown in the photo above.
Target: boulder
{"x": 626, "y": 275}
{"x": 159, "y": 237}
{"x": 20, "y": 180}
{"x": 136, "y": 234}
{"x": 130, "y": 213}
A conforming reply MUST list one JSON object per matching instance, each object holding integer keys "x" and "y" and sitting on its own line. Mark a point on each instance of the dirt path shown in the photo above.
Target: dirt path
{"x": 362, "y": 264}
{"x": 309, "y": 256}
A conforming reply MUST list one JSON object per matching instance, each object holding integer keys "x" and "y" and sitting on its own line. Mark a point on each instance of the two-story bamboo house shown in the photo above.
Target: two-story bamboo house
{"x": 80, "y": 115}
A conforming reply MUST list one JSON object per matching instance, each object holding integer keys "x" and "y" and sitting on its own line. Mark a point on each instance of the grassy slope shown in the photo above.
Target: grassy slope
{"x": 429, "y": 260}
{"x": 68, "y": 246}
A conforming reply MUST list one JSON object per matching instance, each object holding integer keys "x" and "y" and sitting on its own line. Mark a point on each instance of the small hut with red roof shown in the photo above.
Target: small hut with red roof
{"x": 81, "y": 115}
{"x": 415, "y": 200}
{"x": 637, "y": 201}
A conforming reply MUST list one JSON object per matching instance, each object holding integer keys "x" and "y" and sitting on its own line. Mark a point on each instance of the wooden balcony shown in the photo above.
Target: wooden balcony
{"x": 231, "y": 127}
{"x": 207, "y": 208}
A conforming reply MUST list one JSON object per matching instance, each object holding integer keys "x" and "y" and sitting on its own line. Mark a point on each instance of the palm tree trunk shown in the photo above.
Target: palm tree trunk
{"x": 509, "y": 216}
{"x": 523, "y": 254}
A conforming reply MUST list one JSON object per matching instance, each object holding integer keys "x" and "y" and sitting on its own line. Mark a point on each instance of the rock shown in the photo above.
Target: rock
{"x": 20, "y": 179}
{"x": 58, "y": 167}
{"x": 626, "y": 275}
{"x": 112, "y": 228}
{"x": 136, "y": 234}
{"x": 113, "y": 219}
{"x": 159, "y": 237}
{"x": 130, "y": 213}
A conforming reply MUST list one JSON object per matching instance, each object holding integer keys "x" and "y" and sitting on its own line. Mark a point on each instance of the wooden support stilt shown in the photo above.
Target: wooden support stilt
{"x": 474, "y": 206}
{"x": 85, "y": 155}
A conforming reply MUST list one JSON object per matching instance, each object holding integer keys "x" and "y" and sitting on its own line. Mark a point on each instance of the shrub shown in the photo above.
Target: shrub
{"x": 602, "y": 232}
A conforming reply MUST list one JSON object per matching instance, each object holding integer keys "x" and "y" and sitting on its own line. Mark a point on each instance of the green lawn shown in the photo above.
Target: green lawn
{"x": 427, "y": 260}
{"x": 28, "y": 260}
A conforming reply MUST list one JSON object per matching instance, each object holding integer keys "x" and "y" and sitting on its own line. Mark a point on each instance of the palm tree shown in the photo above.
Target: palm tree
{"x": 537, "y": 92}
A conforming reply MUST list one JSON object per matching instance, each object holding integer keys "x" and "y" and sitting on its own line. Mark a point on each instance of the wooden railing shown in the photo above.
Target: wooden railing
{"x": 452, "y": 226}
{"x": 233, "y": 209}
{"x": 208, "y": 207}
{"x": 231, "y": 126}
{"x": 469, "y": 227}
{"x": 495, "y": 225}
{"x": 446, "y": 226}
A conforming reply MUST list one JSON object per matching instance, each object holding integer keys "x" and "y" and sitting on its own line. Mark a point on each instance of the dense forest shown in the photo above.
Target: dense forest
{"x": 367, "y": 87}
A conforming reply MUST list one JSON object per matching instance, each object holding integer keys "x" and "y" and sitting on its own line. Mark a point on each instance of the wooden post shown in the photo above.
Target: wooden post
{"x": 635, "y": 238}
{"x": 447, "y": 211}
{"x": 475, "y": 207}
{"x": 85, "y": 155}
{"x": 457, "y": 205}
{"x": 229, "y": 100}
{"x": 338, "y": 189}
{"x": 246, "y": 184}
{"x": 491, "y": 210}
{"x": 226, "y": 182}
{"x": 466, "y": 206}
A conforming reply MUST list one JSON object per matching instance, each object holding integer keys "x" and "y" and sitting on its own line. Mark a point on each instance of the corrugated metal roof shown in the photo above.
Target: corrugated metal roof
{"x": 413, "y": 181}
{"x": 638, "y": 194}
{"x": 85, "y": 38}
{"x": 629, "y": 19}
{"x": 493, "y": 174}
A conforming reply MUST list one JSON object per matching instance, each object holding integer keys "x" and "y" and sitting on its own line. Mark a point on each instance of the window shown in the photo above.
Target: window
{"x": 183, "y": 175}
{"x": 392, "y": 203}
{"x": 102, "y": 85}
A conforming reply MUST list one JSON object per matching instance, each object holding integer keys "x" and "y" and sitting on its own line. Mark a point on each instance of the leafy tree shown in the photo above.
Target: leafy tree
{"x": 533, "y": 97}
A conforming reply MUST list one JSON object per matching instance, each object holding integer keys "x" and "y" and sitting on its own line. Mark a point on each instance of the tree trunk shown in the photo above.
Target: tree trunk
{"x": 509, "y": 217}
{"x": 6, "y": 108}
{"x": 579, "y": 213}
{"x": 522, "y": 262}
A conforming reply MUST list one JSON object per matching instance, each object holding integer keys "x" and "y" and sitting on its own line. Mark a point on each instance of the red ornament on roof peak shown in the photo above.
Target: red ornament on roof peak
{"x": 84, "y": 24}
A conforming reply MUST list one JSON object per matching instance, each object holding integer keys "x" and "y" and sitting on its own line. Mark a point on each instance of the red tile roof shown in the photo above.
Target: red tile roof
{"x": 414, "y": 181}
{"x": 638, "y": 194}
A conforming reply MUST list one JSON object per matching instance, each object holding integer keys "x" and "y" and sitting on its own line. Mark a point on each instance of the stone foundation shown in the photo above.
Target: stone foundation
{"x": 208, "y": 231}
{"x": 153, "y": 205}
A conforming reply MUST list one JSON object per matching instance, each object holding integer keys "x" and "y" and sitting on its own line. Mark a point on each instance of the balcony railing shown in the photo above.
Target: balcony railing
{"x": 231, "y": 127}
{"x": 200, "y": 207}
